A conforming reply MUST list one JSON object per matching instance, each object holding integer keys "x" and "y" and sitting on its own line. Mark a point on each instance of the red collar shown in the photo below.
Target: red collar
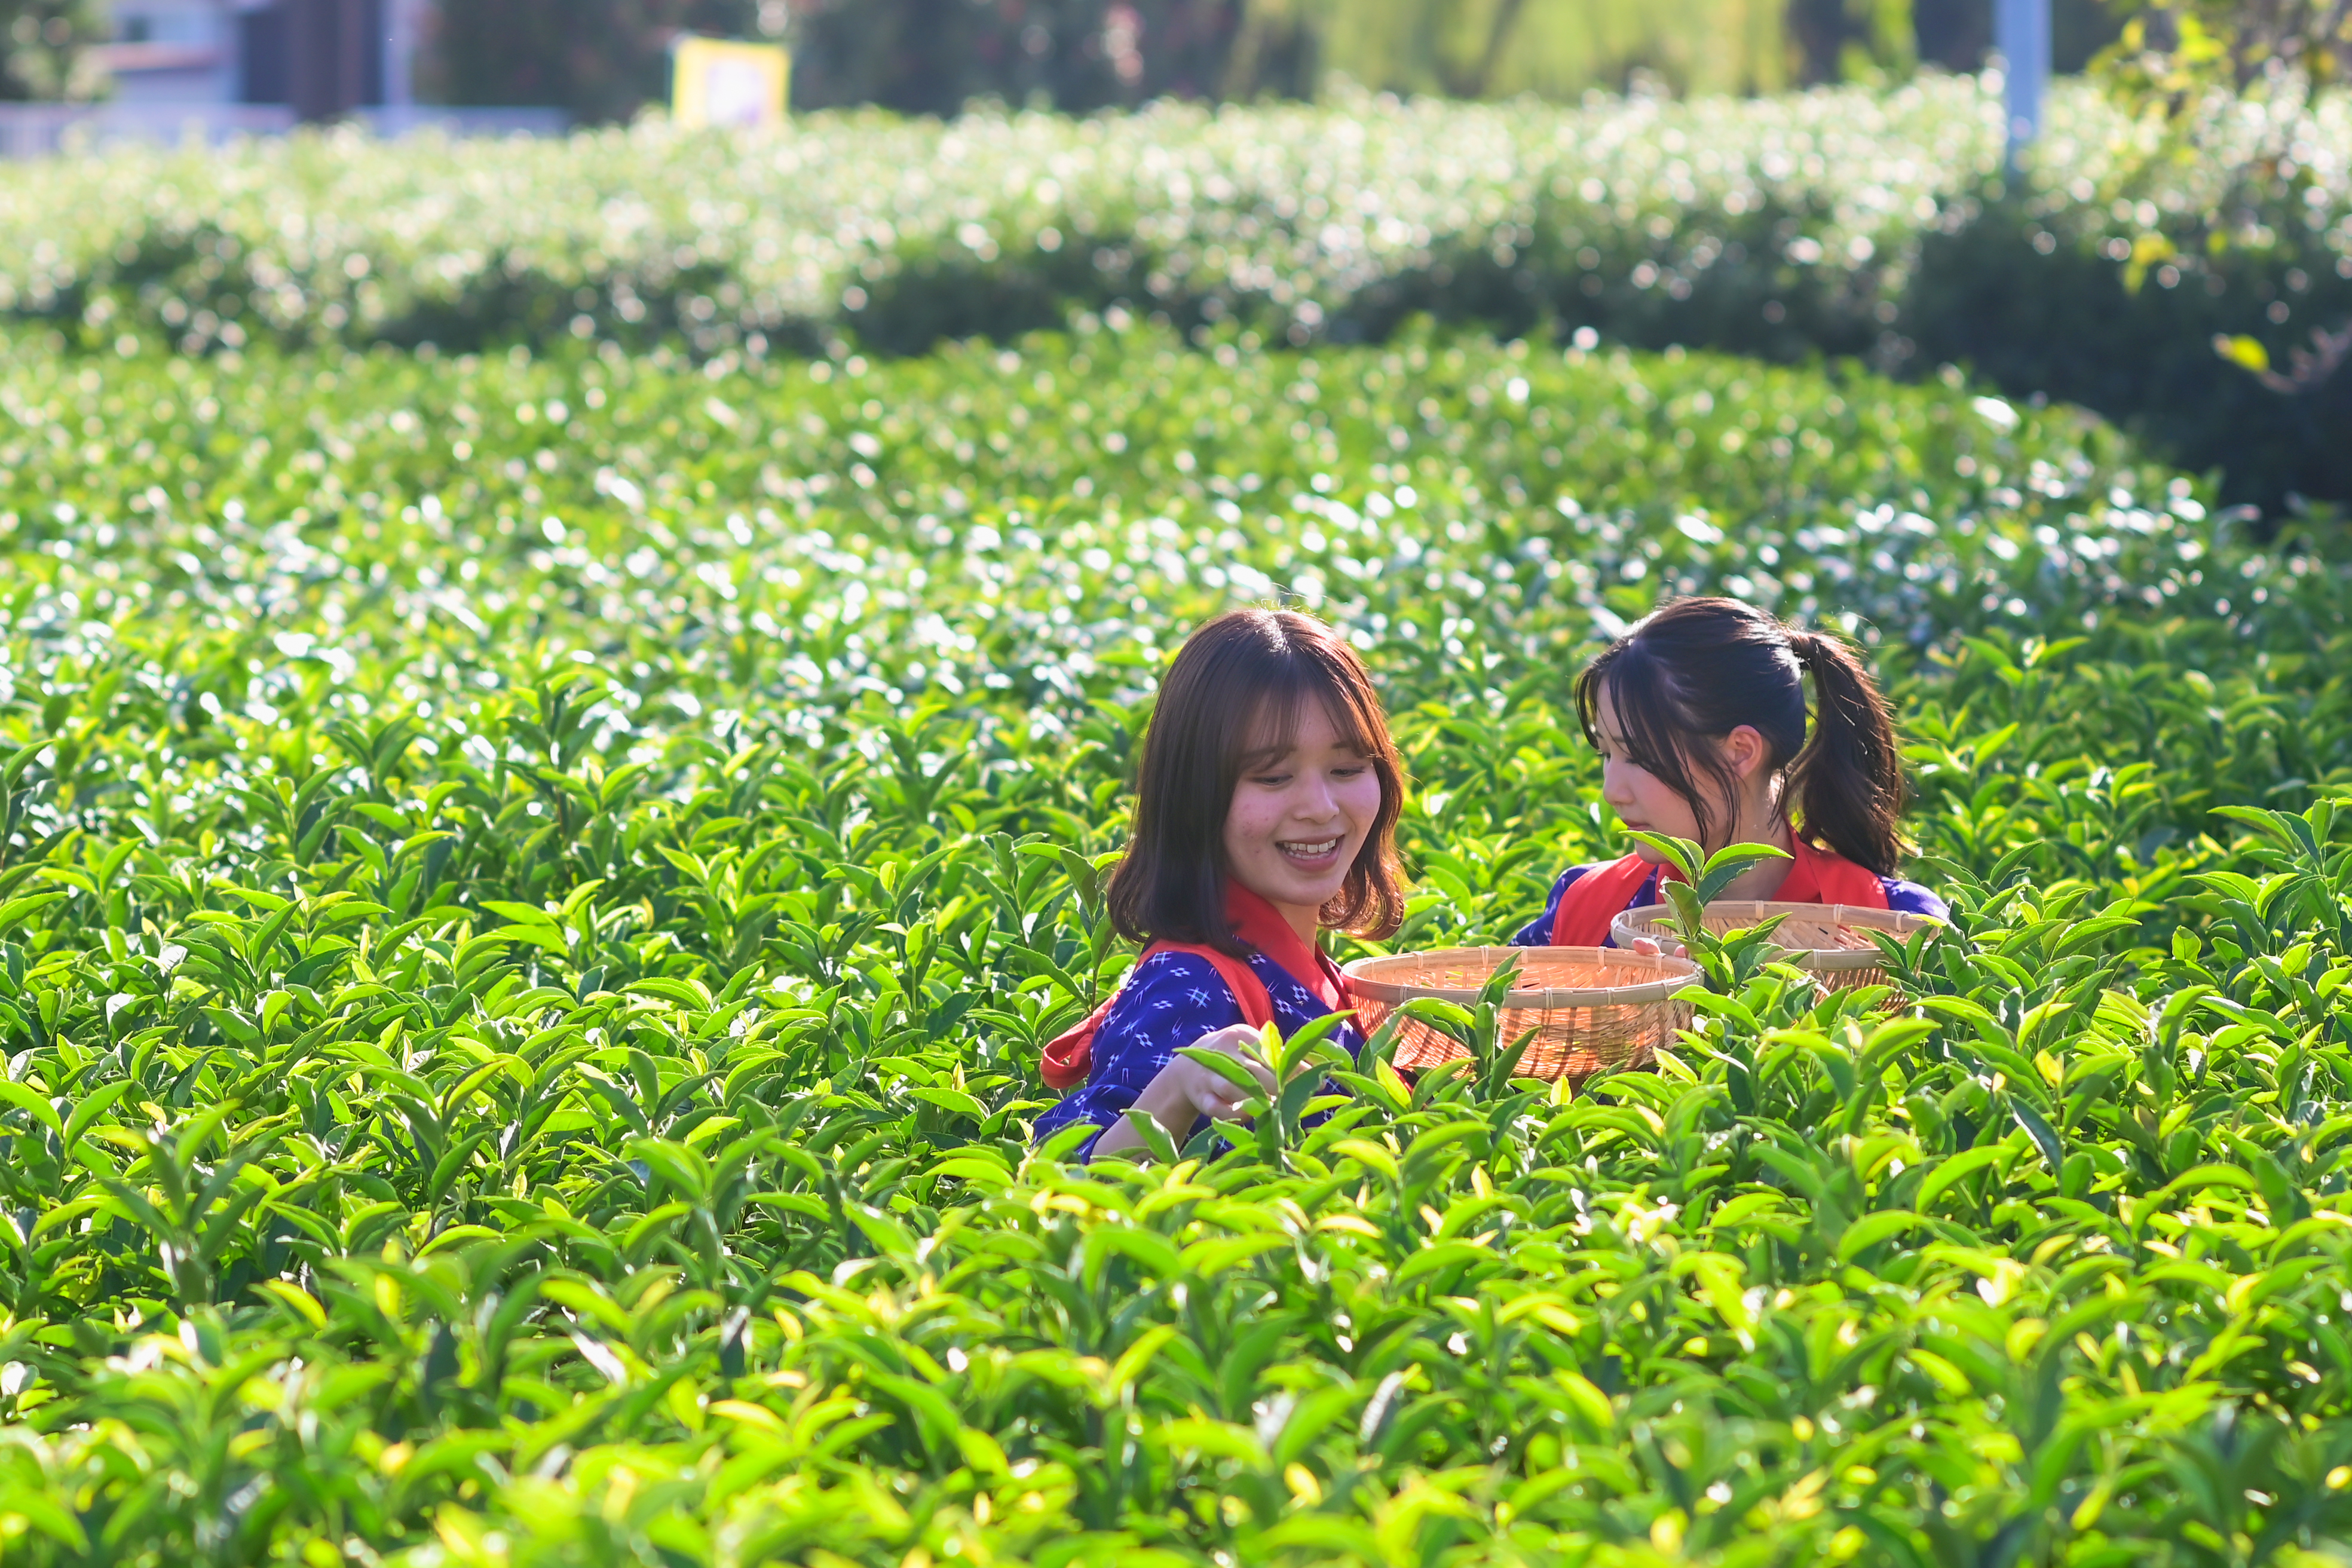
{"x": 1815, "y": 875}
{"x": 1801, "y": 884}
{"x": 1823, "y": 877}
{"x": 1260, "y": 924}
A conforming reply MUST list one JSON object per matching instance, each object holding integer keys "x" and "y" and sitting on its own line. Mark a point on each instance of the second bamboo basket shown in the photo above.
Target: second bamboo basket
{"x": 1833, "y": 941}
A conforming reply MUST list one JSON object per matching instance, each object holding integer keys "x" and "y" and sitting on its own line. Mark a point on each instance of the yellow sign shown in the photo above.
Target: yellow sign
{"x": 718, "y": 83}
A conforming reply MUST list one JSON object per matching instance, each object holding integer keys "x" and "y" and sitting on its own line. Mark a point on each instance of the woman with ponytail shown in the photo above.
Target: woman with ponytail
{"x": 1700, "y": 717}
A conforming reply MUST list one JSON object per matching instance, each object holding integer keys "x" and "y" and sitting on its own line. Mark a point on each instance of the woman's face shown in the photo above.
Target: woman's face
{"x": 1639, "y": 797}
{"x": 1298, "y": 816}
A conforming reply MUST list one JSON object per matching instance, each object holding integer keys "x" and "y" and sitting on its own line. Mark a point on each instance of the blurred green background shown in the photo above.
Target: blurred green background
{"x": 933, "y": 55}
{"x": 603, "y": 60}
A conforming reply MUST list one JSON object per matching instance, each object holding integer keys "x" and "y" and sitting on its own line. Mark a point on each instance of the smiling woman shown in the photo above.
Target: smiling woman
{"x": 1265, "y": 810}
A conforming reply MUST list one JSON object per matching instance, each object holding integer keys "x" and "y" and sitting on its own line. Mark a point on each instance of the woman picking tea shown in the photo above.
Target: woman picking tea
{"x": 1700, "y": 718}
{"x": 1265, "y": 811}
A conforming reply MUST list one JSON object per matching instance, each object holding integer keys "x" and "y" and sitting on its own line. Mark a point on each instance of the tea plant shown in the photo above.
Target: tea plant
{"x": 1789, "y": 224}
{"x": 897, "y": 231}
{"x": 1839, "y": 223}
{"x": 530, "y": 890}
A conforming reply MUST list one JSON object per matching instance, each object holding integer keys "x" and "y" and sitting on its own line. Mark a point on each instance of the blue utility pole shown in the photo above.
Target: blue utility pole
{"x": 2020, "y": 31}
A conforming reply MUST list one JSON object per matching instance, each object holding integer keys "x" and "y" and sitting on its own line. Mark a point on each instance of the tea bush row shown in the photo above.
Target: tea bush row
{"x": 531, "y": 887}
{"x": 1837, "y": 223}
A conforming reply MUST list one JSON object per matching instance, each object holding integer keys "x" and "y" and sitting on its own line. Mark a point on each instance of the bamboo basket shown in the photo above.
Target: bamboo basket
{"x": 1832, "y": 941}
{"x": 1591, "y": 1007}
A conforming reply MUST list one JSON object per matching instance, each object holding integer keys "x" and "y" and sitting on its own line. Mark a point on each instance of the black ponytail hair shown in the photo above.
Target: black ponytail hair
{"x": 1697, "y": 670}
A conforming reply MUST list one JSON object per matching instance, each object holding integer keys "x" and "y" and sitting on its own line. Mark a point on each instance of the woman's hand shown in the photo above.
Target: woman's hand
{"x": 1183, "y": 1091}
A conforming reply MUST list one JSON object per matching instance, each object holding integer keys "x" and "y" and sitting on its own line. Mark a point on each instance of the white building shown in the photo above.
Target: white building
{"x": 320, "y": 54}
{"x": 174, "y": 51}
{"x": 214, "y": 69}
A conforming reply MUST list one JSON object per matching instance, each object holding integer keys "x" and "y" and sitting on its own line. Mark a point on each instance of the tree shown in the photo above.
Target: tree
{"x": 1958, "y": 34}
{"x": 931, "y": 56}
{"x": 1550, "y": 47}
{"x": 600, "y": 60}
{"x": 1838, "y": 39}
{"x": 2181, "y": 48}
{"x": 45, "y": 49}
{"x": 603, "y": 60}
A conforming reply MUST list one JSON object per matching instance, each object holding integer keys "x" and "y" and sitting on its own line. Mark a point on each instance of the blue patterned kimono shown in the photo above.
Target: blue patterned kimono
{"x": 1169, "y": 1001}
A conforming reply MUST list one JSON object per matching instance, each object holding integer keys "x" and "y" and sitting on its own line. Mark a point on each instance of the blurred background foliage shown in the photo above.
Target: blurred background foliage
{"x": 603, "y": 61}
{"x": 933, "y": 55}
{"x": 2183, "y": 46}
{"x": 2180, "y": 259}
{"x": 43, "y": 49}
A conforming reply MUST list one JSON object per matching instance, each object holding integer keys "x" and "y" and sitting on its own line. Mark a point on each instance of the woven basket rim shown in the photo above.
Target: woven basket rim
{"x": 1645, "y": 920}
{"x": 1674, "y": 975}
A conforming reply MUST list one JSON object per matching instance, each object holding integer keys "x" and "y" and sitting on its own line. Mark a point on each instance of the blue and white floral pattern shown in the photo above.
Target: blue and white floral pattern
{"x": 1169, "y": 1001}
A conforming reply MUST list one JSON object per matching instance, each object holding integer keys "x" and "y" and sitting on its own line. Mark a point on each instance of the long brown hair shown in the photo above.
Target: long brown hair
{"x": 1699, "y": 668}
{"x": 1240, "y": 676}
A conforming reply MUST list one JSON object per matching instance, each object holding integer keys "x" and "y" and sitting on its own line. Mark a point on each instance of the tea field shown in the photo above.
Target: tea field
{"x": 531, "y": 890}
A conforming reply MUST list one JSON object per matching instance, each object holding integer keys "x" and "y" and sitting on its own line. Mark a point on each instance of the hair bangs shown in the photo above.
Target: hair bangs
{"x": 1275, "y": 710}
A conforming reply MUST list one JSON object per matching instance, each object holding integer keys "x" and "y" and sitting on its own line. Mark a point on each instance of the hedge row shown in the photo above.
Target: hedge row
{"x": 1838, "y": 223}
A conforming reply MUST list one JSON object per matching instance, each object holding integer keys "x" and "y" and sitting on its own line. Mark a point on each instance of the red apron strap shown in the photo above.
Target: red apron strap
{"x": 1595, "y": 899}
{"x": 1823, "y": 877}
{"x": 1070, "y": 1057}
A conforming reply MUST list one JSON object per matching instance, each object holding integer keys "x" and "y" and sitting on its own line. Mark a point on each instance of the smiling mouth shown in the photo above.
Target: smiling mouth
{"x": 1320, "y": 850}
